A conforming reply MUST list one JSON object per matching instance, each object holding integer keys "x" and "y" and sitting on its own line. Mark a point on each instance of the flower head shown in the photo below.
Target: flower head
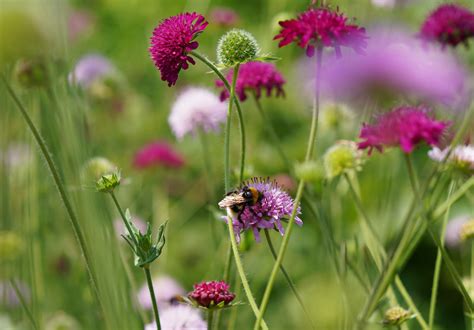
{"x": 180, "y": 317}
{"x": 461, "y": 157}
{"x": 196, "y": 109}
{"x": 466, "y": 231}
{"x": 254, "y": 77}
{"x": 405, "y": 127}
{"x": 108, "y": 182}
{"x": 449, "y": 24}
{"x": 91, "y": 68}
{"x": 157, "y": 154}
{"x": 224, "y": 17}
{"x": 236, "y": 47}
{"x": 341, "y": 158}
{"x": 321, "y": 27}
{"x": 396, "y": 315}
{"x": 167, "y": 290}
{"x": 211, "y": 294}
{"x": 171, "y": 42}
{"x": 272, "y": 206}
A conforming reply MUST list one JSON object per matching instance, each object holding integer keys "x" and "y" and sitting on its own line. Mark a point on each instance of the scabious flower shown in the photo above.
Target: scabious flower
{"x": 269, "y": 211}
{"x": 461, "y": 157}
{"x": 90, "y": 68}
{"x": 321, "y": 27}
{"x": 167, "y": 290}
{"x": 236, "y": 47}
{"x": 223, "y": 16}
{"x": 181, "y": 317}
{"x": 342, "y": 157}
{"x": 171, "y": 42}
{"x": 210, "y": 294}
{"x": 255, "y": 77}
{"x": 453, "y": 231}
{"x": 196, "y": 109}
{"x": 157, "y": 153}
{"x": 405, "y": 127}
{"x": 449, "y": 24}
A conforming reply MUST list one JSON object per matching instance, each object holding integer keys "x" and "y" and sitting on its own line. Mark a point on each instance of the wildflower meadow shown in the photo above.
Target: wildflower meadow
{"x": 225, "y": 164}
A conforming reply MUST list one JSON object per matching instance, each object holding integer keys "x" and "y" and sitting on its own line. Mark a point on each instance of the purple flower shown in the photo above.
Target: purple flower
{"x": 211, "y": 293}
{"x": 449, "y": 24}
{"x": 196, "y": 109}
{"x": 254, "y": 77}
{"x": 405, "y": 127}
{"x": 166, "y": 292}
{"x": 225, "y": 17}
{"x": 171, "y": 42}
{"x": 318, "y": 27}
{"x": 272, "y": 207}
{"x": 395, "y": 63}
{"x": 157, "y": 153}
{"x": 90, "y": 68}
{"x": 180, "y": 317}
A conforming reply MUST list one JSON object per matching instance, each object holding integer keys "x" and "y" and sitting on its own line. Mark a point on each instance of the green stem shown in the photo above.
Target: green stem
{"x": 437, "y": 270}
{"x": 227, "y": 269}
{"x": 210, "y": 319}
{"x": 152, "y": 295}
{"x": 454, "y": 197}
{"x": 288, "y": 279}
{"x": 124, "y": 219}
{"x": 62, "y": 192}
{"x": 299, "y": 193}
{"x": 234, "y": 311}
{"x": 23, "y": 304}
{"x": 240, "y": 270}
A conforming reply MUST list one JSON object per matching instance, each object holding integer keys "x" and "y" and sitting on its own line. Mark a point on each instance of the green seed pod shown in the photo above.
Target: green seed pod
{"x": 236, "y": 47}
{"x": 108, "y": 182}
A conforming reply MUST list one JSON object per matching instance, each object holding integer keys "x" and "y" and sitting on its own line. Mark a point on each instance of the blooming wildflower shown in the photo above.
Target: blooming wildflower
{"x": 211, "y": 294}
{"x": 396, "y": 316}
{"x": 254, "y": 77}
{"x": 462, "y": 157}
{"x": 405, "y": 127}
{"x": 318, "y": 27}
{"x": 272, "y": 207}
{"x": 341, "y": 158}
{"x": 8, "y": 294}
{"x": 196, "y": 109}
{"x": 225, "y": 17}
{"x": 171, "y": 42}
{"x": 453, "y": 231}
{"x": 449, "y": 24}
{"x": 167, "y": 290}
{"x": 467, "y": 230}
{"x": 90, "y": 68}
{"x": 121, "y": 229}
{"x": 181, "y": 317}
{"x": 236, "y": 47}
{"x": 157, "y": 154}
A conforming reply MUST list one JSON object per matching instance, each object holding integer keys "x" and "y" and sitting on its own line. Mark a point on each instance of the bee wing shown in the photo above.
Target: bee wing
{"x": 231, "y": 200}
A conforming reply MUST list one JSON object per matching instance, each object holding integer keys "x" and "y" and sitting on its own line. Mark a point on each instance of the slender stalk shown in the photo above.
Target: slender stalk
{"x": 124, "y": 219}
{"x": 152, "y": 295}
{"x": 76, "y": 227}
{"x": 23, "y": 304}
{"x": 288, "y": 279}
{"x": 227, "y": 270}
{"x": 299, "y": 194}
{"x": 227, "y": 134}
{"x": 210, "y": 319}
{"x": 454, "y": 197}
{"x": 234, "y": 310}
{"x": 437, "y": 270}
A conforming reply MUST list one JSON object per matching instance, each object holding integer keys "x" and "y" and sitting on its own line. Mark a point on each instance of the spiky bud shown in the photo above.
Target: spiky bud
{"x": 108, "y": 182}
{"x": 341, "y": 158}
{"x": 236, "y": 47}
{"x": 395, "y": 316}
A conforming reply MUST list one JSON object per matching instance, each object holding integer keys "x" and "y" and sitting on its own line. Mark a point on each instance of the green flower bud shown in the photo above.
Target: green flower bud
{"x": 96, "y": 167}
{"x": 467, "y": 230}
{"x": 310, "y": 171}
{"x": 341, "y": 158}
{"x": 396, "y": 316}
{"x": 11, "y": 246}
{"x": 31, "y": 73}
{"x": 108, "y": 182}
{"x": 236, "y": 47}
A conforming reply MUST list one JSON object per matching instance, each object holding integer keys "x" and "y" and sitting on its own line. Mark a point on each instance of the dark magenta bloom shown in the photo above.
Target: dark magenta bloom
{"x": 254, "y": 77}
{"x": 157, "y": 154}
{"x": 321, "y": 27}
{"x": 405, "y": 127}
{"x": 211, "y": 293}
{"x": 449, "y": 24}
{"x": 171, "y": 42}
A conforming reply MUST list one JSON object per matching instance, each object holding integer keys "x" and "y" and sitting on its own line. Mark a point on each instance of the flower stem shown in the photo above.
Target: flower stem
{"x": 288, "y": 279}
{"x": 146, "y": 268}
{"x": 210, "y": 319}
{"x": 62, "y": 192}
{"x": 23, "y": 304}
{"x": 299, "y": 194}
{"x": 227, "y": 134}
{"x": 124, "y": 219}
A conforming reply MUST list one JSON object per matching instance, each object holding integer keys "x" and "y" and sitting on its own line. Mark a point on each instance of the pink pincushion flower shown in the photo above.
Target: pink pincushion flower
{"x": 449, "y": 24}
{"x": 212, "y": 293}
{"x": 158, "y": 154}
{"x": 318, "y": 27}
{"x": 405, "y": 127}
{"x": 254, "y": 77}
{"x": 171, "y": 42}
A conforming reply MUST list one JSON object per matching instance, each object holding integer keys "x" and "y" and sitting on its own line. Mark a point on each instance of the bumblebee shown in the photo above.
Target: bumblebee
{"x": 238, "y": 200}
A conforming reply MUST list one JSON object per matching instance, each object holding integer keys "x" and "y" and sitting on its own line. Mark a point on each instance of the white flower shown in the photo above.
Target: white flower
{"x": 194, "y": 109}
{"x": 461, "y": 157}
{"x": 90, "y": 68}
{"x": 166, "y": 289}
{"x": 180, "y": 317}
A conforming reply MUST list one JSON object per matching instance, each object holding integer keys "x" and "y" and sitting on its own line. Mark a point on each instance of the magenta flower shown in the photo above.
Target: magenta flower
{"x": 225, "y": 17}
{"x": 449, "y": 24}
{"x": 157, "y": 154}
{"x": 405, "y": 127}
{"x": 254, "y": 77}
{"x": 321, "y": 27}
{"x": 211, "y": 294}
{"x": 171, "y": 42}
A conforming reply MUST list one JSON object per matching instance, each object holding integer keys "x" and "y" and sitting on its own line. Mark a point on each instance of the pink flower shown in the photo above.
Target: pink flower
{"x": 224, "y": 17}
{"x": 158, "y": 154}
{"x": 318, "y": 27}
{"x": 449, "y": 24}
{"x": 212, "y": 293}
{"x": 405, "y": 127}
{"x": 171, "y": 42}
{"x": 254, "y": 77}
